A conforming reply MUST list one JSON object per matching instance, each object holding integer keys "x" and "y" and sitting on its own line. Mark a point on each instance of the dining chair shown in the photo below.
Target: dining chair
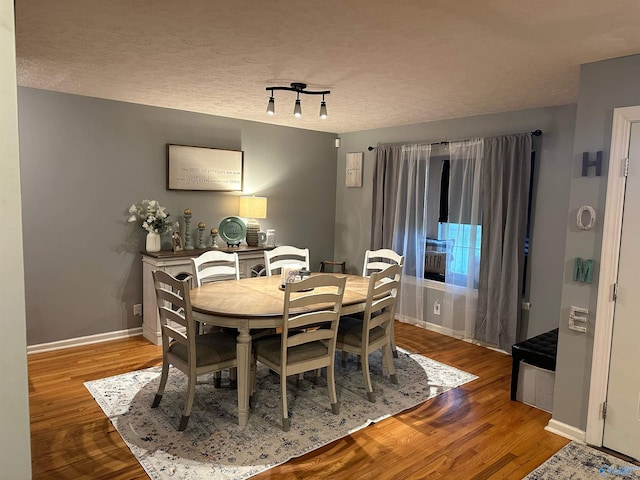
{"x": 308, "y": 339}
{"x": 214, "y": 266}
{"x": 376, "y": 261}
{"x": 182, "y": 347}
{"x": 277, "y": 258}
{"x": 373, "y": 332}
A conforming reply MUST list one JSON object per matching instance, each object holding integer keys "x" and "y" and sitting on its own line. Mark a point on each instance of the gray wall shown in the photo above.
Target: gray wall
{"x": 14, "y": 394}
{"x": 603, "y": 86}
{"x": 84, "y": 161}
{"x": 552, "y": 177}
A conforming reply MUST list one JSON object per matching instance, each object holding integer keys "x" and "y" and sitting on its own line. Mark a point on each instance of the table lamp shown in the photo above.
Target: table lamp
{"x": 253, "y": 208}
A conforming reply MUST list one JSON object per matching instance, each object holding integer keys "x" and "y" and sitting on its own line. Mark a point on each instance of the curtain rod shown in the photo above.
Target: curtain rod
{"x": 535, "y": 133}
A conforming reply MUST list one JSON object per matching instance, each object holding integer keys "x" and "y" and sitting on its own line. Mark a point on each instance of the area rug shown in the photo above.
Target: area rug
{"x": 214, "y": 447}
{"x": 576, "y": 461}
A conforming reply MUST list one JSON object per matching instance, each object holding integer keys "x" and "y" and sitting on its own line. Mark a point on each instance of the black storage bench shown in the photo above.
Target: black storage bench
{"x": 539, "y": 351}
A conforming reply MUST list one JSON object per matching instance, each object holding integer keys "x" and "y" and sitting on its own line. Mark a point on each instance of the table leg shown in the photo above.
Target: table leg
{"x": 243, "y": 351}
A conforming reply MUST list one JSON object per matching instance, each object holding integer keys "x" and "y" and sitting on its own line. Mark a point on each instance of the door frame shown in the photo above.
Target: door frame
{"x": 610, "y": 253}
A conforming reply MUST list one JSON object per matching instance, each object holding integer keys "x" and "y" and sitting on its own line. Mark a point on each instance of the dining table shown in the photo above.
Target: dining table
{"x": 256, "y": 303}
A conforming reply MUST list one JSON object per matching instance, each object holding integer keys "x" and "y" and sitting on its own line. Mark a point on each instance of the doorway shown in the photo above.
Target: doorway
{"x": 607, "y": 354}
{"x": 622, "y": 419}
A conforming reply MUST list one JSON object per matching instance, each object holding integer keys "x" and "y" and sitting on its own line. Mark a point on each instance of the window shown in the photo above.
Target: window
{"x": 468, "y": 239}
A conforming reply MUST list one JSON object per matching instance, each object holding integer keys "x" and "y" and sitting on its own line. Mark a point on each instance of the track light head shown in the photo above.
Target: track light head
{"x": 323, "y": 108}
{"x": 297, "y": 110}
{"x": 271, "y": 106}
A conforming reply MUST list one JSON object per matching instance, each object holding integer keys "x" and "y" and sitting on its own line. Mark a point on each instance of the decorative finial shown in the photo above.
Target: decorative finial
{"x": 187, "y": 229}
{"x": 201, "y": 227}
{"x": 214, "y": 234}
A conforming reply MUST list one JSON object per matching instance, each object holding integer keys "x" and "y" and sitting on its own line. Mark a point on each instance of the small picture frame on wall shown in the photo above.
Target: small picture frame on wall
{"x": 353, "y": 174}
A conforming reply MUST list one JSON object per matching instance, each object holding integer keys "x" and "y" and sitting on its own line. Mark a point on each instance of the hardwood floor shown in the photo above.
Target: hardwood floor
{"x": 471, "y": 432}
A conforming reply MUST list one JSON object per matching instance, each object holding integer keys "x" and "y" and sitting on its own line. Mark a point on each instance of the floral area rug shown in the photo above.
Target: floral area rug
{"x": 213, "y": 446}
{"x": 581, "y": 462}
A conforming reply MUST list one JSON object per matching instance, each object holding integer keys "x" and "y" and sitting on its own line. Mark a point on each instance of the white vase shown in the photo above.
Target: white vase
{"x": 153, "y": 242}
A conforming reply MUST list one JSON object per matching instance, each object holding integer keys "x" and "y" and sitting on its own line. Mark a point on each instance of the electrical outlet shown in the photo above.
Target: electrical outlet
{"x": 137, "y": 309}
{"x": 436, "y": 308}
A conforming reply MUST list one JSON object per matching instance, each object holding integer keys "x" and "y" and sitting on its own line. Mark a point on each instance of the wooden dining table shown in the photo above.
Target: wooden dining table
{"x": 257, "y": 303}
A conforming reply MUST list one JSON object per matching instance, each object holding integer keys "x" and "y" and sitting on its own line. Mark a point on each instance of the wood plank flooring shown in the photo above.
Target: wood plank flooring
{"x": 471, "y": 432}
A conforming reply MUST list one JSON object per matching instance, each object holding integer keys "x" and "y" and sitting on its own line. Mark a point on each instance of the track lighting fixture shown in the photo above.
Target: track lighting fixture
{"x": 298, "y": 88}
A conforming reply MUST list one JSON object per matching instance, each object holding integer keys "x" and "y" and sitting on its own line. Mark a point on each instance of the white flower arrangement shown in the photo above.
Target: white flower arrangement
{"x": 155, "y": 218}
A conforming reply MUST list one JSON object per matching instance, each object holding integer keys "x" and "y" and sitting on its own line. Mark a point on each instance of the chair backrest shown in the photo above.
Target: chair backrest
{"x": 174, "y": 309}
{"x": 313, "y": 302}
{"x": 213, "y": 266}
{"x": 277, "y": 258}
{"x": 377, "y": 260}
{"x": 382, "y": 294}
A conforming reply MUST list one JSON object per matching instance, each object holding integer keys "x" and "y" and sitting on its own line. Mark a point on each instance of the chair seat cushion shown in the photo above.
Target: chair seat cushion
{"x": 211, "y": 348}
{"x": 350, "y": 332}
{"x": 270, "y": 349}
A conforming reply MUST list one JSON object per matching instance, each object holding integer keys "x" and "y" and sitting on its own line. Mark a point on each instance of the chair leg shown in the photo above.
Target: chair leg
{"x": 217, "y": 379}
{"x": 387, "y": 359}
{"x": 367, "y": 378}
{"x": 345, "y": 356}
{"x": 331, "y": 384}
{"x": 233, "y": 378}
{"x": 317, "y": 375}
{"x": 191, "y": 390}
{"x": 393, "y": 340}
{"x": 286, "y": 422}
{"x": 299, "y": 380}
{"x": 184, "y": 420}
{"x": 163, "y": 383}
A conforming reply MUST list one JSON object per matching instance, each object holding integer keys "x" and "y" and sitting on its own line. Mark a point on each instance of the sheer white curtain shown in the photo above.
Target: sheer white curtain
{"x": 409, "y": 226}
{"x": 460, "y": 291}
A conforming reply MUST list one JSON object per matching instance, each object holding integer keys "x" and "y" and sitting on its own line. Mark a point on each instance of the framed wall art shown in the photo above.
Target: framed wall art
{"x": 202, "y": 168}
{"x": 354, "y": 170}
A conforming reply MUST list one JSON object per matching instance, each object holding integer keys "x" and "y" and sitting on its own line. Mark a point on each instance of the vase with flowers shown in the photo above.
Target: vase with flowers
{"x": 155, "y": 220}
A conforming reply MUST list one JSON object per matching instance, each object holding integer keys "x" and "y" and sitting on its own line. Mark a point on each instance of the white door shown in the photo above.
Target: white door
{"x": 622, "y": 421}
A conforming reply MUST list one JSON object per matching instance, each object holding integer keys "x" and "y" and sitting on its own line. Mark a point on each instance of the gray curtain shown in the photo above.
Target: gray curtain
{"x": 385, "y": 180}
{"x": 506, "y": 177}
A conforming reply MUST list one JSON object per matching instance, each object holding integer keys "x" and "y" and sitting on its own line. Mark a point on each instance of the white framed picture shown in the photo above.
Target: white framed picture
{"x": 354, "y": 169}
{"x": 204, "y": 168}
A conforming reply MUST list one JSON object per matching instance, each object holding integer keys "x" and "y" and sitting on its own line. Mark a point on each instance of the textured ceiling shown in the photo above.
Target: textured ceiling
{"x": 386, "y": 62}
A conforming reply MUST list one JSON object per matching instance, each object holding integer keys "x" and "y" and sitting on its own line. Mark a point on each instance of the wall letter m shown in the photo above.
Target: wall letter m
{"x": 583, "y": 270}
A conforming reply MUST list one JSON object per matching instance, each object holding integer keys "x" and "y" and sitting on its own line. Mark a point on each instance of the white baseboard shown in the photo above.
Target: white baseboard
{"x": 76, "y": 342}
{"x": 426, "y": 325}
{"x": 446, "y": 331}
{"x": 566, "y": 431}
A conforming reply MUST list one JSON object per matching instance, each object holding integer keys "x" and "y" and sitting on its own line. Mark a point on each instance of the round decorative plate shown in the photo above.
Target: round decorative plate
{"x": 232, "y": 230}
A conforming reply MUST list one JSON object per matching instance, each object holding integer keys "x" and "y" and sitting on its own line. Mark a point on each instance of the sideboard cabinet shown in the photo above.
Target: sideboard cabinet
{"x": 178, "y": 264}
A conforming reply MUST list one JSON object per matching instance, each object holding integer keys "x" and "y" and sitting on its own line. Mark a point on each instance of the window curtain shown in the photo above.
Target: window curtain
{"x": 489, "y": 182}
{"x": 399, "y": 216}
{"x": 385, "y": 180}
{"x": 505, "y": 181}
{"x": 464, "y": 215}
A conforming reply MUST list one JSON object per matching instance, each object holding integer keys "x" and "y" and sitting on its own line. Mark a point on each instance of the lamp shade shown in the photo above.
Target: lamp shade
{"x": 253, "y": 207}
